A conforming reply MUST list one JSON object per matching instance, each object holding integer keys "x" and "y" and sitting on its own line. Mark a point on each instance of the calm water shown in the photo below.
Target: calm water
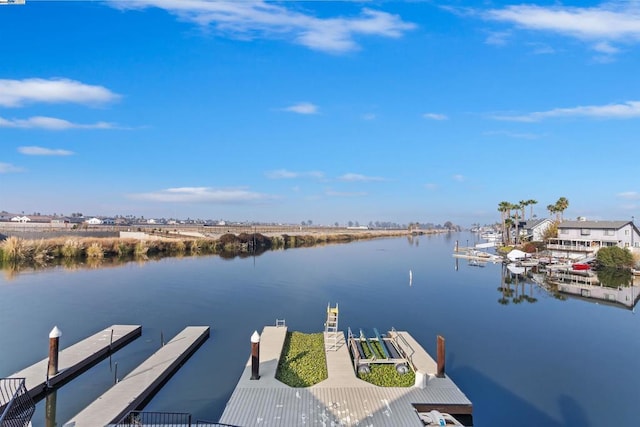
{"x": 543, "y": 363}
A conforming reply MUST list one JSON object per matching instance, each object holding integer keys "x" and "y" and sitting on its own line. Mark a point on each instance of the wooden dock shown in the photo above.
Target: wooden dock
{"x": 143, "y": 382}
{"x": 77, "y": 358}
{"x": 341, "y": 399}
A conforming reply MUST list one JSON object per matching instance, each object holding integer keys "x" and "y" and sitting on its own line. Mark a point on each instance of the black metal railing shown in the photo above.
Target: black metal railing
{"x": 163, "y": 419}
{"x": 16, "y": 405}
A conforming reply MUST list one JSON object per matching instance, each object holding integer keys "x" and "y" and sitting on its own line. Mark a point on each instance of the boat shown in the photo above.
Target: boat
{"x": 491, "y": 236}
{"x": 580, "y": 266}
{"x": 478, "y": 255}
{"x": 529, "y": 262}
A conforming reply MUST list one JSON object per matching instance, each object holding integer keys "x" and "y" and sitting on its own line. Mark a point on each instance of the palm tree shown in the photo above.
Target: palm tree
{"x": 553, "y": 210}
{"x": 508, "y": 222}
{"x": 503, "y": 208}
{"x": 523, "y": 204}
{"x": 516, "y": 208}
{"x": 561, "y": 205}
{"x": 531, "y": 202}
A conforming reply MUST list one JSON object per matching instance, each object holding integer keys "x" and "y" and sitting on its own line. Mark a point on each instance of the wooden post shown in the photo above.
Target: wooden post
{"x": 440, "y": 373}
{"x": 54, "y": 341}
{"x": 456, "y": 246}
{"x": 255, "y": 356}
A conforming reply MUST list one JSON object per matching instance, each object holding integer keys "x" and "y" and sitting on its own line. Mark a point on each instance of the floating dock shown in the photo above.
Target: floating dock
{"x": 341, "y": 399}
{"x": 143, "y": 382}
{"x": 77, "y": 358}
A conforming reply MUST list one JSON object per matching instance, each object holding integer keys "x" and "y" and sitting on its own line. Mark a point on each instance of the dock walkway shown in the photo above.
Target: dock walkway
{"x": 140, "y": 385}
{"x": 77, "y": 358}
{"x": 342, "y": 399}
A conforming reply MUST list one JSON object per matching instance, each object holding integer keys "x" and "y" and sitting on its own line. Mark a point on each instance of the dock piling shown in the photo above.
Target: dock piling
{"x": 441, "y": 354}
{"x": 255, "y": 356}
{"x": 54, "y": 345}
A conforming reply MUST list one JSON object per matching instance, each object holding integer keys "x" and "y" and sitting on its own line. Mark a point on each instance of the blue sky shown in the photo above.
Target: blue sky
{"x": 427, "y": 111}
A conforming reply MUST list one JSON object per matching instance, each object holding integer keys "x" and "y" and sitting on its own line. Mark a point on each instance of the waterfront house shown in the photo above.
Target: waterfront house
{"x": 578, "y": 239}
{"x": 534, "y": 229}
{"x": 94, "y": 221}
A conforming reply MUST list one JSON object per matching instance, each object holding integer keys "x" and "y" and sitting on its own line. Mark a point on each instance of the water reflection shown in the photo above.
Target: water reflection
{"x": 610, "y": 285}
{"x": 11, "y": 269}
{"x": 512, "y": 286}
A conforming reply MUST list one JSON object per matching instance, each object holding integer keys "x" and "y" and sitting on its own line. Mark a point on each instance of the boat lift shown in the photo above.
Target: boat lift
{"x": 365, "y": 352}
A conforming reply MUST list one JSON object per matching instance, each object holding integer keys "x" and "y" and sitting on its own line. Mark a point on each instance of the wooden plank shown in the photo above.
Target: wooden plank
{"x": 143, "y": 382}
{"x": 79, "y": 357}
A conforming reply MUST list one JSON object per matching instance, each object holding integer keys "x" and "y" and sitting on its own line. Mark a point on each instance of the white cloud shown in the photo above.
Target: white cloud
{"x": 287, "y": 174}
{"x": 369, "y": 116}
{"x": 252, "y": 19}
{"x": 458, "y": 177}
{"x": 302, "y": 108}
{"x": 202, "y": 195}
{"x": 627, "y": 110}
{"x": 541, "y": 49}
{"x": 498, "y": 38}
{"x": 435, "y": 116}
{"x": 614, "y": 21}
{"x": 355, "y": 177}
{"x": 431, "y": 186}
{"x": 606, "y": 48}
{"x": 9, "y": 168}
{"x": 41, "y": 151}
{"x": 15, "y": 93}
{"x": 629, "y": 195}
{"x": 50, "y": 123}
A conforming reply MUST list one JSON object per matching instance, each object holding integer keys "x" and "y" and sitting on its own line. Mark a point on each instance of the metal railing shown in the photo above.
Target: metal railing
{"x": 163, "y": 419}
{"x": 16, "y": 405}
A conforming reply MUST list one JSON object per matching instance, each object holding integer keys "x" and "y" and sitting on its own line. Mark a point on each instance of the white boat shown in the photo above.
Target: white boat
{"x": 492, "y": 236}
{"x": 478, "y": 255}
{"x": 486, "y": 245}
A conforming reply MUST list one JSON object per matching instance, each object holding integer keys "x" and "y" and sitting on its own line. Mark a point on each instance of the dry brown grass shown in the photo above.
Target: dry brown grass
{"x": 39, "y": 252}
{"x": 95, "y": 251}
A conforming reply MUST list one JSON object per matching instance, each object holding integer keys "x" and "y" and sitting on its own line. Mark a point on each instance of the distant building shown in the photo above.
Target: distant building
{"x": 94, "y": 221}
{"x": 22, "y": 219}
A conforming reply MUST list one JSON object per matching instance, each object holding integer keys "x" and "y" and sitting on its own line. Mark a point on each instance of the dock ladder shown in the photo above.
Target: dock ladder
{"x": 331, "y": 328}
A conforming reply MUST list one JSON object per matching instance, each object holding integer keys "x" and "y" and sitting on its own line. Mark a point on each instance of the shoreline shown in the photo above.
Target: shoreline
{"x": 75, "y": 247}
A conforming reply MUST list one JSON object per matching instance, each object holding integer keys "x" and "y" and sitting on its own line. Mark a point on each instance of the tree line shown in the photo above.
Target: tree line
{"x": 510, "y": 214}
